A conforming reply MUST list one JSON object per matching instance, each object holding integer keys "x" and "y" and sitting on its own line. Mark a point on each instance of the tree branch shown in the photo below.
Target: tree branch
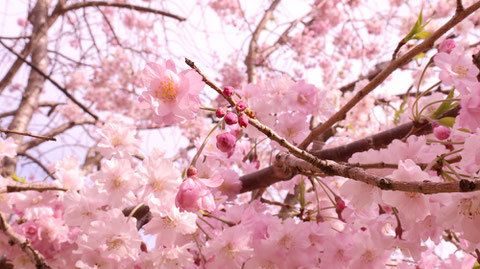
{"x": 331, "y": 168}
{"x": 36, "y": 186}
{"x": 35, "y": 160}
{"x": 54, "y": 132}
{"x": 28, "y": 134}
{"x": 120, "y": 5}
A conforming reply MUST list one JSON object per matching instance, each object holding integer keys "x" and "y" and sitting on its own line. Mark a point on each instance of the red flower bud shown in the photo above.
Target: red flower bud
{"x": 241, "y": 106}
{"x": 231, "y": 118}
{"x": 191, "y": 171}
{"x": 228, "y": 91}
{"x": 220, "y": 112}
{"x": 243, "y": 121}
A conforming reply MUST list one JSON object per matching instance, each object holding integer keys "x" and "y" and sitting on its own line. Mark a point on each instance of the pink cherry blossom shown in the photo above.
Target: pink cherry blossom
{"x": 447, "y": 45}
{"x": 194, "y": 195}
{"x": 172, "y": 96}
{"x": 412, "y": 206}
{"x": 118, "y": 139}
{"x": 456, "y": 69}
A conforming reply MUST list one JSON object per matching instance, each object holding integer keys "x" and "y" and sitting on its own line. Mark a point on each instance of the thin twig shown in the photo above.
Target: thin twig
{"x": 121, "y": 5}
{"x": 253, "y": 47}
{"x": 28, "y": 134}
{"x": 62, "y": 89}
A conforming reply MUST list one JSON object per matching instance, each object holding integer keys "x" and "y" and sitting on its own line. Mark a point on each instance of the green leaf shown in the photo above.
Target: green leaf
{"x": 18, "y": 179}
{"x": 422, "y": 35}
{"x": 464, "y": 130}
{"x": 447, "y": 121}
{"x": 417, "y": 28}
{"x": 444, "y": 107}
{"x": 476, "y": 265}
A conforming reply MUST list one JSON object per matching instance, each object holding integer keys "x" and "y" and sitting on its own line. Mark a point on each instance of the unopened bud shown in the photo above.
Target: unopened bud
{"x": 231, "y": 118}
{"x": 228, "y": 91}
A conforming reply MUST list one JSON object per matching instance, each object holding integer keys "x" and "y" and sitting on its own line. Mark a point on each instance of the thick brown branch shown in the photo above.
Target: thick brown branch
{"x": 121, "y": 5}
{"x": 344, "y": 170}
{"x": 380, "y": 140}
{"x": 23, "y": 244}
{"x": 428, "y": 43}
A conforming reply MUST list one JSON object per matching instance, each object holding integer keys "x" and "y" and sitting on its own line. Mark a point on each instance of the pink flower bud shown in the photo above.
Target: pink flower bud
{"x": 228, "y": 91}
{"x": 447, "y": 46}
{"x": 193, "y": 196}
{"x": 220, "y": 112}
{"x": 191, "y": 171}
{"x": 243, "y": 121}
{"x": 441, "y": 132}
{"x": 231, "y": 118}
{"x": 225, "y": 142}
{"x": 241, "y": 106}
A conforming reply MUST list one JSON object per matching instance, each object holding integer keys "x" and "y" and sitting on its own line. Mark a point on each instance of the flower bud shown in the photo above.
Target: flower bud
{"x": 243, "y": 121}
{"x": 447, "y": 46}
{"x": 191, "y": 171}
{"x": 193, "y": 196}
{"x": 228, "y": 91}
{"x": 241, "y": 106}
{"x": 441, "y": 132}
{"x": 231, "y": 118}
{"x": 225, "y": 142}
{"x": 220, "y": 112}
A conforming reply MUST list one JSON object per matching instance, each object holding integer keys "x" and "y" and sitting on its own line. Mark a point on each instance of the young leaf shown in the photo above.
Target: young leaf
{"x": 447, "y": 121}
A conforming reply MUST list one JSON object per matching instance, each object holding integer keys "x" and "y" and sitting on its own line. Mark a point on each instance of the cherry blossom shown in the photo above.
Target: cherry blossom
{"x": 172, "y": 96}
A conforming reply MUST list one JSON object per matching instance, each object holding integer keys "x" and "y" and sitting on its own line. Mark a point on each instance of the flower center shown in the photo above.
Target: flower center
{"x": 230, "y": 251}
{"x": 158, "y": 185}
{"x": 461, "y": 71}
{"x": 117, "y": 182}
{"x": 167, "y": 91}
{"x": 114, "y": 243}
{"x": 368, "y": 256}
{"x": 115, "y": 141}
{"x": 469, "y": 208}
